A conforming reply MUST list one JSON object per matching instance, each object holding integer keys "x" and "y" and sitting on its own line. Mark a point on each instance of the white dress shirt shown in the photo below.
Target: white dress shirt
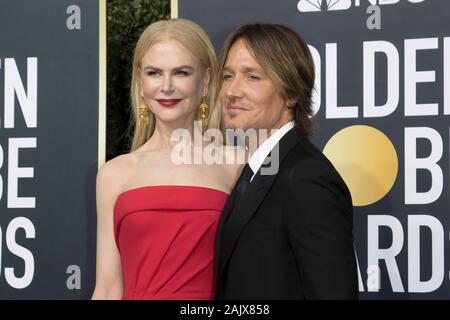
{"x": 257, "y": 158}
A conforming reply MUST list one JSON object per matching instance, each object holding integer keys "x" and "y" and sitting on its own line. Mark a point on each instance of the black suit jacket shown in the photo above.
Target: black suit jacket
{"x": 290, "y": 235}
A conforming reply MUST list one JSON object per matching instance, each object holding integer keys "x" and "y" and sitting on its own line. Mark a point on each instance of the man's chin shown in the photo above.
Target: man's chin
{"x": 235, "y": 126}
{"x": 233, "y": 123}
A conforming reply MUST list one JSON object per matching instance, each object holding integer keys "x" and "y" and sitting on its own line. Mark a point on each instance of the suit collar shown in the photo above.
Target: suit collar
{"x": 257, "y": 159}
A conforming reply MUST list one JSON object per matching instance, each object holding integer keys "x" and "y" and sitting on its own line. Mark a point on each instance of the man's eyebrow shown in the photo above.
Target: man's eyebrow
{"x": 246, "y": 69}
{"x": 250, "y": 69}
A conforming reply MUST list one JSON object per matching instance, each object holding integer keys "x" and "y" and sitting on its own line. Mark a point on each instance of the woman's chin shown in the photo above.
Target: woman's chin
{"x": 179, "y": 121}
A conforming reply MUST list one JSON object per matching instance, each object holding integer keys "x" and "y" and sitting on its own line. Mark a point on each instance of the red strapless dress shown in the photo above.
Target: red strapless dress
{"x": 165, "y": 236}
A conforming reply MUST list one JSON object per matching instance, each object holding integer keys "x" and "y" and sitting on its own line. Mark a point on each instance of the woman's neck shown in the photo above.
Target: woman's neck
{"x": 167, "y": 136}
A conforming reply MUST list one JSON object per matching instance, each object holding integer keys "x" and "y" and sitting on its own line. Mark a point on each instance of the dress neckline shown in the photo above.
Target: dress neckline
{"x": 169, "y": 186}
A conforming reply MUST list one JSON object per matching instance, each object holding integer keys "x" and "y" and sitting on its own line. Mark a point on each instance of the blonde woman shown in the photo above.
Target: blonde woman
{"x": 157, "y": 217}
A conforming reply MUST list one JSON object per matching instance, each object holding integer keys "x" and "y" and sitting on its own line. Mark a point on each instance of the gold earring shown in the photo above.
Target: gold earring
{"x": 204, "y": 113}
{"x": 143, "y": 113}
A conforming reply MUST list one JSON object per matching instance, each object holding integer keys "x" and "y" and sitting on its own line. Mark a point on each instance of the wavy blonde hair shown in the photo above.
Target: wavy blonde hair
{"x": 192, "y": 36}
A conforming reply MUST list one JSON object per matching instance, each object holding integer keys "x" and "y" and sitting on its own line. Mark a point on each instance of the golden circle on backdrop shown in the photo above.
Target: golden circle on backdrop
{"x": 367, "y": 161}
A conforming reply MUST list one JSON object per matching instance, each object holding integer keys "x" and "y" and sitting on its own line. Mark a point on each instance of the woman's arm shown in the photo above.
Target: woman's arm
{"x": 109, "y": 278}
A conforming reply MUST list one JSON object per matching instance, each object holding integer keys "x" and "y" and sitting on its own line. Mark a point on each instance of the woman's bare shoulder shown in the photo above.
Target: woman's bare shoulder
{"x": 117, "y": 169}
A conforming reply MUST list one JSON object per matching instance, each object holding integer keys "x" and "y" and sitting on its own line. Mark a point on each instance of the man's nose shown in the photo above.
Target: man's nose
{"x": 233, "y": 88}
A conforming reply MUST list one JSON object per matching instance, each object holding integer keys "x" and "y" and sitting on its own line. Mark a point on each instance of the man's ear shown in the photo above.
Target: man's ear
{"x": 206, "y": 81}
{"x": 290, "y": 102}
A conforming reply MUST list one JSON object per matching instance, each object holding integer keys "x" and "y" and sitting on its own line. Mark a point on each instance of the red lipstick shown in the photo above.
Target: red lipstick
{"x": 168, "y": 102}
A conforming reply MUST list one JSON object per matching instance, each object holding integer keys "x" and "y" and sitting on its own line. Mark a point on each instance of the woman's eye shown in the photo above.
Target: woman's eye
{"x": 181, "y": 73}
{"x": 152, "y": 73}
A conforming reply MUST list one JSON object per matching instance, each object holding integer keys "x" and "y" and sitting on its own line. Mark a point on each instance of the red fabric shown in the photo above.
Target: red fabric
{"x": 165, "y": 236}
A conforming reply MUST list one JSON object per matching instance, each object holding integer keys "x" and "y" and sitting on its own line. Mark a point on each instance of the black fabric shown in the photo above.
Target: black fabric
{"x": 288, "y": 235}
{"x": 243, "y": 183}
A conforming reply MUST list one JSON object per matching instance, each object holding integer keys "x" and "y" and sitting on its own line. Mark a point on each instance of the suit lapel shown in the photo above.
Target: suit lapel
{"x": 223, "y": 219}
{"x": 232, "y": 224}
{"x": 243, "y": 211}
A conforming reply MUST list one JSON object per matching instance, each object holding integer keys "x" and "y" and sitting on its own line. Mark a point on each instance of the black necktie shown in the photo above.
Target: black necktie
{"x": 242, "y": 186}
{"x": 246, "y": 175}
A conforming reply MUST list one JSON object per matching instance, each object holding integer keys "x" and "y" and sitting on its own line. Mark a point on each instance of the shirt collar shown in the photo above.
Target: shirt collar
{"x": 258, "y": 157}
